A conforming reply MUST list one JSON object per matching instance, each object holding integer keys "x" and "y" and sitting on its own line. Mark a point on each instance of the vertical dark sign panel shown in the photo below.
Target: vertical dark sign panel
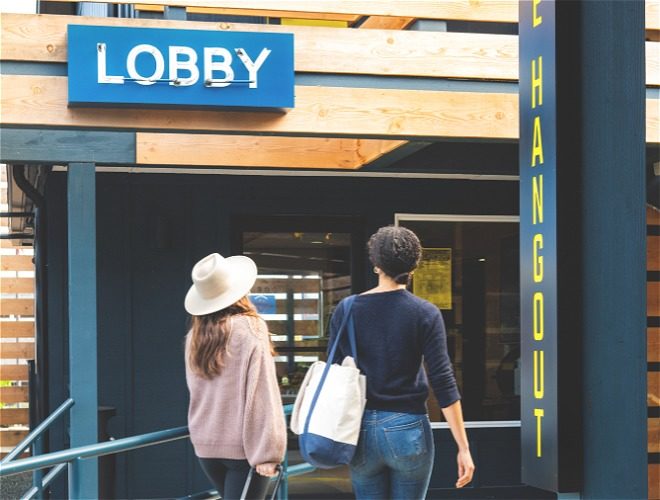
{"x": 538, "y": 245}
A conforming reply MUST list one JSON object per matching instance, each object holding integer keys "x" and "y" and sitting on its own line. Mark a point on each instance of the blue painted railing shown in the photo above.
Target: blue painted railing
{"x": 34, "y": 439}
{"x": 72, "y": 458}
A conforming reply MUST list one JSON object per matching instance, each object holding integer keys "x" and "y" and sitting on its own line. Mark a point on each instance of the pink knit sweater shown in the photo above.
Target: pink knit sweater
{"x": 238, "y": 414}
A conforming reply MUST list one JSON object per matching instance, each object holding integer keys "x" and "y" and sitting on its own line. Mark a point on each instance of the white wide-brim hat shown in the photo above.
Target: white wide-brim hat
{"x": 219, "y": 282}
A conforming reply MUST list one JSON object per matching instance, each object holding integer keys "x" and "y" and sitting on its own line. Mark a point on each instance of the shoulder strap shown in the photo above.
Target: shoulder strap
{"x": 347, "y": 306}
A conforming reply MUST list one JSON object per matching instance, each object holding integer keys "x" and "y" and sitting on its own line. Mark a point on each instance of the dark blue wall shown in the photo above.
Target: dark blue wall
{"x": 151, "y": 230}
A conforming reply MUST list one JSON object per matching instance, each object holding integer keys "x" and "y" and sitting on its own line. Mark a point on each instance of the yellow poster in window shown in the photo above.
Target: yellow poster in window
{"x": 432, "y": 278}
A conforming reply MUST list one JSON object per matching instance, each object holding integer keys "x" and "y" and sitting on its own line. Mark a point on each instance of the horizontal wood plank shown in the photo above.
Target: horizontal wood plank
{"x": 17, "y": 350}
{"x": 14, "y": 373}
{"x": 278, "y": 285}
{"x": 652, "y": 216}
{"x": 360, "y": 112}
{"x": 467, "y": 10}
{"x": 17, "y": 307}
{"x": 653, "y": 253}
{"x": 387, "y": 23}
{"x": 653, "y": 298}
{"x": 654, "y": 435}
{"x": 14, "y": 416}
{"x": 505, "y": 11}
{"x": 654, "y": 481}
{"x": 653, "y": 387}
{"x": 16, "y": 329}
{"x": 653, "y": 344}
{"x": 301, "y": 327}
{"x": 14, "y": 395}
{"x": 10, "y": 437}
{"x": 284, "y": 152}
{"x": 349, "y": 18}
{"x": 17, "y": 285}
{"x": 16, "y": 262}
{"x": 318, "y": 50}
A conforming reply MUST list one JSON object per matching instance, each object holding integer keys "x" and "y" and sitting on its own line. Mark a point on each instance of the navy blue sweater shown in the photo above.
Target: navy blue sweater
{"x": 395, "y": 332}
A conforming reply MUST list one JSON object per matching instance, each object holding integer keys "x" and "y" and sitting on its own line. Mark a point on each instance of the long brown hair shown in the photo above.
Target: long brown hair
{"x": 209, "y": 335}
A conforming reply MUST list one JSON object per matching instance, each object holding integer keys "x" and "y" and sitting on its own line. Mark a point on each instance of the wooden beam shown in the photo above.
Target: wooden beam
{"x": 319, "y": 111}
{"x": 348, "y": 18}
{"x": 318, "y": 50}
{"x": 502, "y": 11}
{"x": 14, "y": 416}
{"x": 17, "y": 329}
{"x": 66, "y": 146}
{"x": 14, "y": 372}
{"x": 17, "y": 285}
{"x": 466, "y": 10}
{"x": 387, "y": 23}
{"x": 17, "y": 350}
{"x": 284, "y": 152}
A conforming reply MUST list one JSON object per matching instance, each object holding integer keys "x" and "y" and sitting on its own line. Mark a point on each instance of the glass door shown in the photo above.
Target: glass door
{"x": 469, "y": 269}
{"x": 302, "y": 277}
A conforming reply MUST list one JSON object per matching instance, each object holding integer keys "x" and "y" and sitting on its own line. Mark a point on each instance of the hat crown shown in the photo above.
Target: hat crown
{"x": 211, "y": 276}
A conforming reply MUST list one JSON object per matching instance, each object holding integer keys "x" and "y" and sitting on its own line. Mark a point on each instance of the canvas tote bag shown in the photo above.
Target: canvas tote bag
{"x": 327, "y": 413}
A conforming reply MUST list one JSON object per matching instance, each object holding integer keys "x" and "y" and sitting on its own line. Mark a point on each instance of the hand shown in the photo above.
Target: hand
{"x": 465, "y": 468}
{"x": 267, "y": 469}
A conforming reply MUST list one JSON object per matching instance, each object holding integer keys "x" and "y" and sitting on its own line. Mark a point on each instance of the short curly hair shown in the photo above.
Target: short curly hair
{"x": 396, "y": 251}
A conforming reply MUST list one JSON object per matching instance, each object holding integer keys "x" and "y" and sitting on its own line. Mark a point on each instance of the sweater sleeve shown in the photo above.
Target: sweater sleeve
{"x": 264, "y": 429}
{"x": 438, "y": 364}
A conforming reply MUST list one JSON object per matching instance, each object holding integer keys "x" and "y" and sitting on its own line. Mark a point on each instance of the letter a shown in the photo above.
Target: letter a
{"x": 537, "y": 146}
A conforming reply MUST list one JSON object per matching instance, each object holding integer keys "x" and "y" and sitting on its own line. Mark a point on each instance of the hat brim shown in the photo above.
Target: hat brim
{"x": 242, "y": 273}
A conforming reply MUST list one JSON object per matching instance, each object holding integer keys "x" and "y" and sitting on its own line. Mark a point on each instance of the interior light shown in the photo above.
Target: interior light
{"x": 482, "y": 260}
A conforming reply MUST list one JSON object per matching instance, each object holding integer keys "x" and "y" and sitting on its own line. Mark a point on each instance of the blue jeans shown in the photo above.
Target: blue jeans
{"x": 394, "y": 456}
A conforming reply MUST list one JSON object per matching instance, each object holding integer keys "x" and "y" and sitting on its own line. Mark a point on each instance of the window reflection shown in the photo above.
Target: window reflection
{"x": 470, "y": 270}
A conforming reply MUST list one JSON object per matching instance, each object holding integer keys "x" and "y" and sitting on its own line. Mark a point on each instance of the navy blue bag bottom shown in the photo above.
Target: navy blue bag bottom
{"x": 324, "y": 453}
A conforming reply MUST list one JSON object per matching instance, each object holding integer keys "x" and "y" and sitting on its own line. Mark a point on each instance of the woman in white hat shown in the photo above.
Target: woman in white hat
{"x": 235, "y": 415}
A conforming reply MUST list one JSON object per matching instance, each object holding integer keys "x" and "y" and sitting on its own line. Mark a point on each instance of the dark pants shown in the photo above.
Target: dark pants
{"x": 228, "y": 477}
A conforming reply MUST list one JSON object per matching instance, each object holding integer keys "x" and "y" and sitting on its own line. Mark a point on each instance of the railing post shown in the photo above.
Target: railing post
{"x": 75, "y": 479}
{"x": 38, "y": 475}
{"x": 81, "y": 218}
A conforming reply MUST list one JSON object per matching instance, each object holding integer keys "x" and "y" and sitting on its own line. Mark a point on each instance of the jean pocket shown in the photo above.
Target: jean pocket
{"x": 360, "y": 457}
{"x": 407, "y": 441}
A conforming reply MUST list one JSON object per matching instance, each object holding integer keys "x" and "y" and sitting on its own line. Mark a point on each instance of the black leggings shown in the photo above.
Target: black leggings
{"x": 228, "y": 477}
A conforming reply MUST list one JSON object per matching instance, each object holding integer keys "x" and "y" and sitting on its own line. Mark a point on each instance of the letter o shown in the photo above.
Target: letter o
{"x": 537, "y": 308}
{"x": 158, "y": 58}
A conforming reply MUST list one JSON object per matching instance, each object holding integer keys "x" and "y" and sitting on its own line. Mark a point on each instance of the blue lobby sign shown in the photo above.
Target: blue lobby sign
{"x": 153, "y": 67}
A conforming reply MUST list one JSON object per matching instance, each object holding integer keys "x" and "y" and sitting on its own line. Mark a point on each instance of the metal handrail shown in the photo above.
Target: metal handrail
{"x": 38, "y": 431}
{"x": 93, "y": 450}
{"x": 59, "y": 459}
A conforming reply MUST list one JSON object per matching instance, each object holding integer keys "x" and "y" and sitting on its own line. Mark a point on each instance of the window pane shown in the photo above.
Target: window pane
{"x": 302, "y": 277}
{"x": 470, "y": 270}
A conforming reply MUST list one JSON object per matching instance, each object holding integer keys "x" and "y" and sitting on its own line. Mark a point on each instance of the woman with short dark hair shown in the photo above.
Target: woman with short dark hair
{"x": 396, "y": 332}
